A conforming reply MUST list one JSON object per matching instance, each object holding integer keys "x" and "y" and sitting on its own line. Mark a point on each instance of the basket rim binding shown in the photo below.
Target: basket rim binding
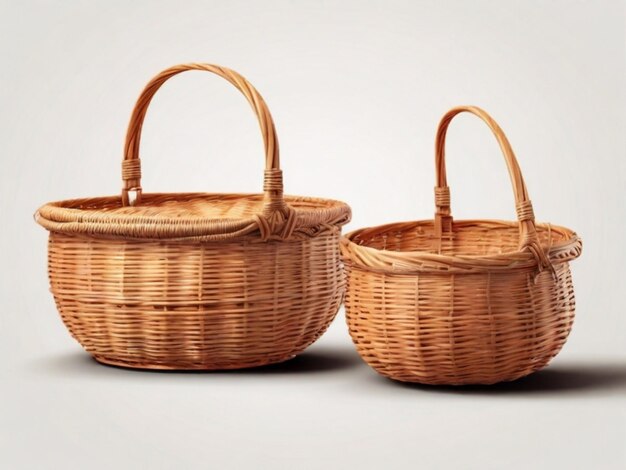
{"x": 531, "y": 254}
{"x": 415, "y": 261}
{"x": 73, "y": 216}
{"x": 276, "y": 217}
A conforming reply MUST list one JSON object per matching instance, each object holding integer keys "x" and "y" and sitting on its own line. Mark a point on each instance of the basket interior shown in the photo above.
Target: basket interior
{"x": 468, "y": 237}
{"x": 195, "y": 205}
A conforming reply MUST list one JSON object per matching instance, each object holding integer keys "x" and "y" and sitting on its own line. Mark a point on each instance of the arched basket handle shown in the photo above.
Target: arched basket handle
{"x": 131, "y": 165}
{"x": 528, "y": 239}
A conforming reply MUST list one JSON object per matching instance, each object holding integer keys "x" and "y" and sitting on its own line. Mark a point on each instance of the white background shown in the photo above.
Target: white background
{"x": 356, "y": 89}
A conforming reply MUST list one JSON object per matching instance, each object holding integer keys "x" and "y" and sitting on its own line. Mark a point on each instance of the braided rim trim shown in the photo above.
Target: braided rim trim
{"x": 274, "y": 225}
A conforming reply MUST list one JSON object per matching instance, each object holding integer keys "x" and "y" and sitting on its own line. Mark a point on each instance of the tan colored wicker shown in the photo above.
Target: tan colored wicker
{"x": 463, "y": 302}
{"x": 194, "y": 280}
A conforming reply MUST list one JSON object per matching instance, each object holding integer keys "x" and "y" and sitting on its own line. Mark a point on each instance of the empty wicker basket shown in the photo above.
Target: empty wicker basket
{"x": 463, "y": 302}
{"x": 194, "y": 280}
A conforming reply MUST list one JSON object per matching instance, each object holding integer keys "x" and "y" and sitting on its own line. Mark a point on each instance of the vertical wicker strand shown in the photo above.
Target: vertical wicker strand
{"x": 276, "y": 289}
{"x": 170, "y": 321}
{"x": 246, "y": 294}
{"x": 385, "y": 322}
{"x": 202, "y": 317}
{"x": 533, "y": 333}
{"x": 306, "y": 260}
{"x": 112, "y": 316}
{"x": 419, "y": 353}
{"x": 492, "y": 328}
{"x": 451, "y": 333}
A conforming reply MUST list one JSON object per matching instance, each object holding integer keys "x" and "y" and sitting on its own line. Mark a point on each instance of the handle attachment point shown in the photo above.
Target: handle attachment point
{"x": 131, "y": 197}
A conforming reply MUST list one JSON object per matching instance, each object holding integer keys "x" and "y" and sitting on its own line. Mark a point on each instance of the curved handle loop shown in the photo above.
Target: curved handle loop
{"x": 525, "y": 215}
{"x": 131, "y": 165}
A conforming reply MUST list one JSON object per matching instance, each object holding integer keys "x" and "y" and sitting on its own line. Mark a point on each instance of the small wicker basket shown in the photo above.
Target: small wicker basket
{"x": 195, "y": 280}
{"x": 463, "y": 302}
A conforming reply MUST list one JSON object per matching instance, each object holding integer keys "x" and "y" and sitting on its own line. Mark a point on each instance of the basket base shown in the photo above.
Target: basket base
{"x": 188, "y": 367}
{"x": 468, "y": 383}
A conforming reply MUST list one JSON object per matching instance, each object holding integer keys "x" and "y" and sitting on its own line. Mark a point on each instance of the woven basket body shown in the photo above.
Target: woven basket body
{"x": 195, "y": 280}
{"x": 461, "y": 302}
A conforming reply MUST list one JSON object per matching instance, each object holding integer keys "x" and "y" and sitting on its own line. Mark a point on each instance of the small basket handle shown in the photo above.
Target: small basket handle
{"x": 443, "y": 216}
{"x": 131, "y": 165}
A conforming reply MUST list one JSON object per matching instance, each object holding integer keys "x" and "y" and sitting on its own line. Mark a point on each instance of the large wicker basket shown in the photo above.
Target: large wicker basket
{"x": 194, "y": 280}
{"x": 463, "y": 302}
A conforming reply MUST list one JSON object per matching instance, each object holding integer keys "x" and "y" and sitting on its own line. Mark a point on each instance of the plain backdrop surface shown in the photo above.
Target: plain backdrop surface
{"x": 356, "y": 89}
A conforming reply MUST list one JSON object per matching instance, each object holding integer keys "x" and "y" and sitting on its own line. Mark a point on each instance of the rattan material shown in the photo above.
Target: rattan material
{"x": 195, "y": 280}
{"x": 461, "y": 302}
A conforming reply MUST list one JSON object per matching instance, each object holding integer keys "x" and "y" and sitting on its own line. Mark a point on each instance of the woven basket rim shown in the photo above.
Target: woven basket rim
{"x": 313, "y": 216}
{"x": 416, "y": 261}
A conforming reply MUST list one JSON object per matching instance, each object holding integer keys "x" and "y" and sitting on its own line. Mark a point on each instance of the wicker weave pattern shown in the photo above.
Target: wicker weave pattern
{"x": 461, "y": 302}
{"x": 196, "y": 280}
{"x": 220, "y": 305}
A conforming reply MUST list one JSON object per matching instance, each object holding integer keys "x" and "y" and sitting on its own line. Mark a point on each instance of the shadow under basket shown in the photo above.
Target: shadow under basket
{"x": 196, "y": 280}
{"x": 461, "y": 302}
